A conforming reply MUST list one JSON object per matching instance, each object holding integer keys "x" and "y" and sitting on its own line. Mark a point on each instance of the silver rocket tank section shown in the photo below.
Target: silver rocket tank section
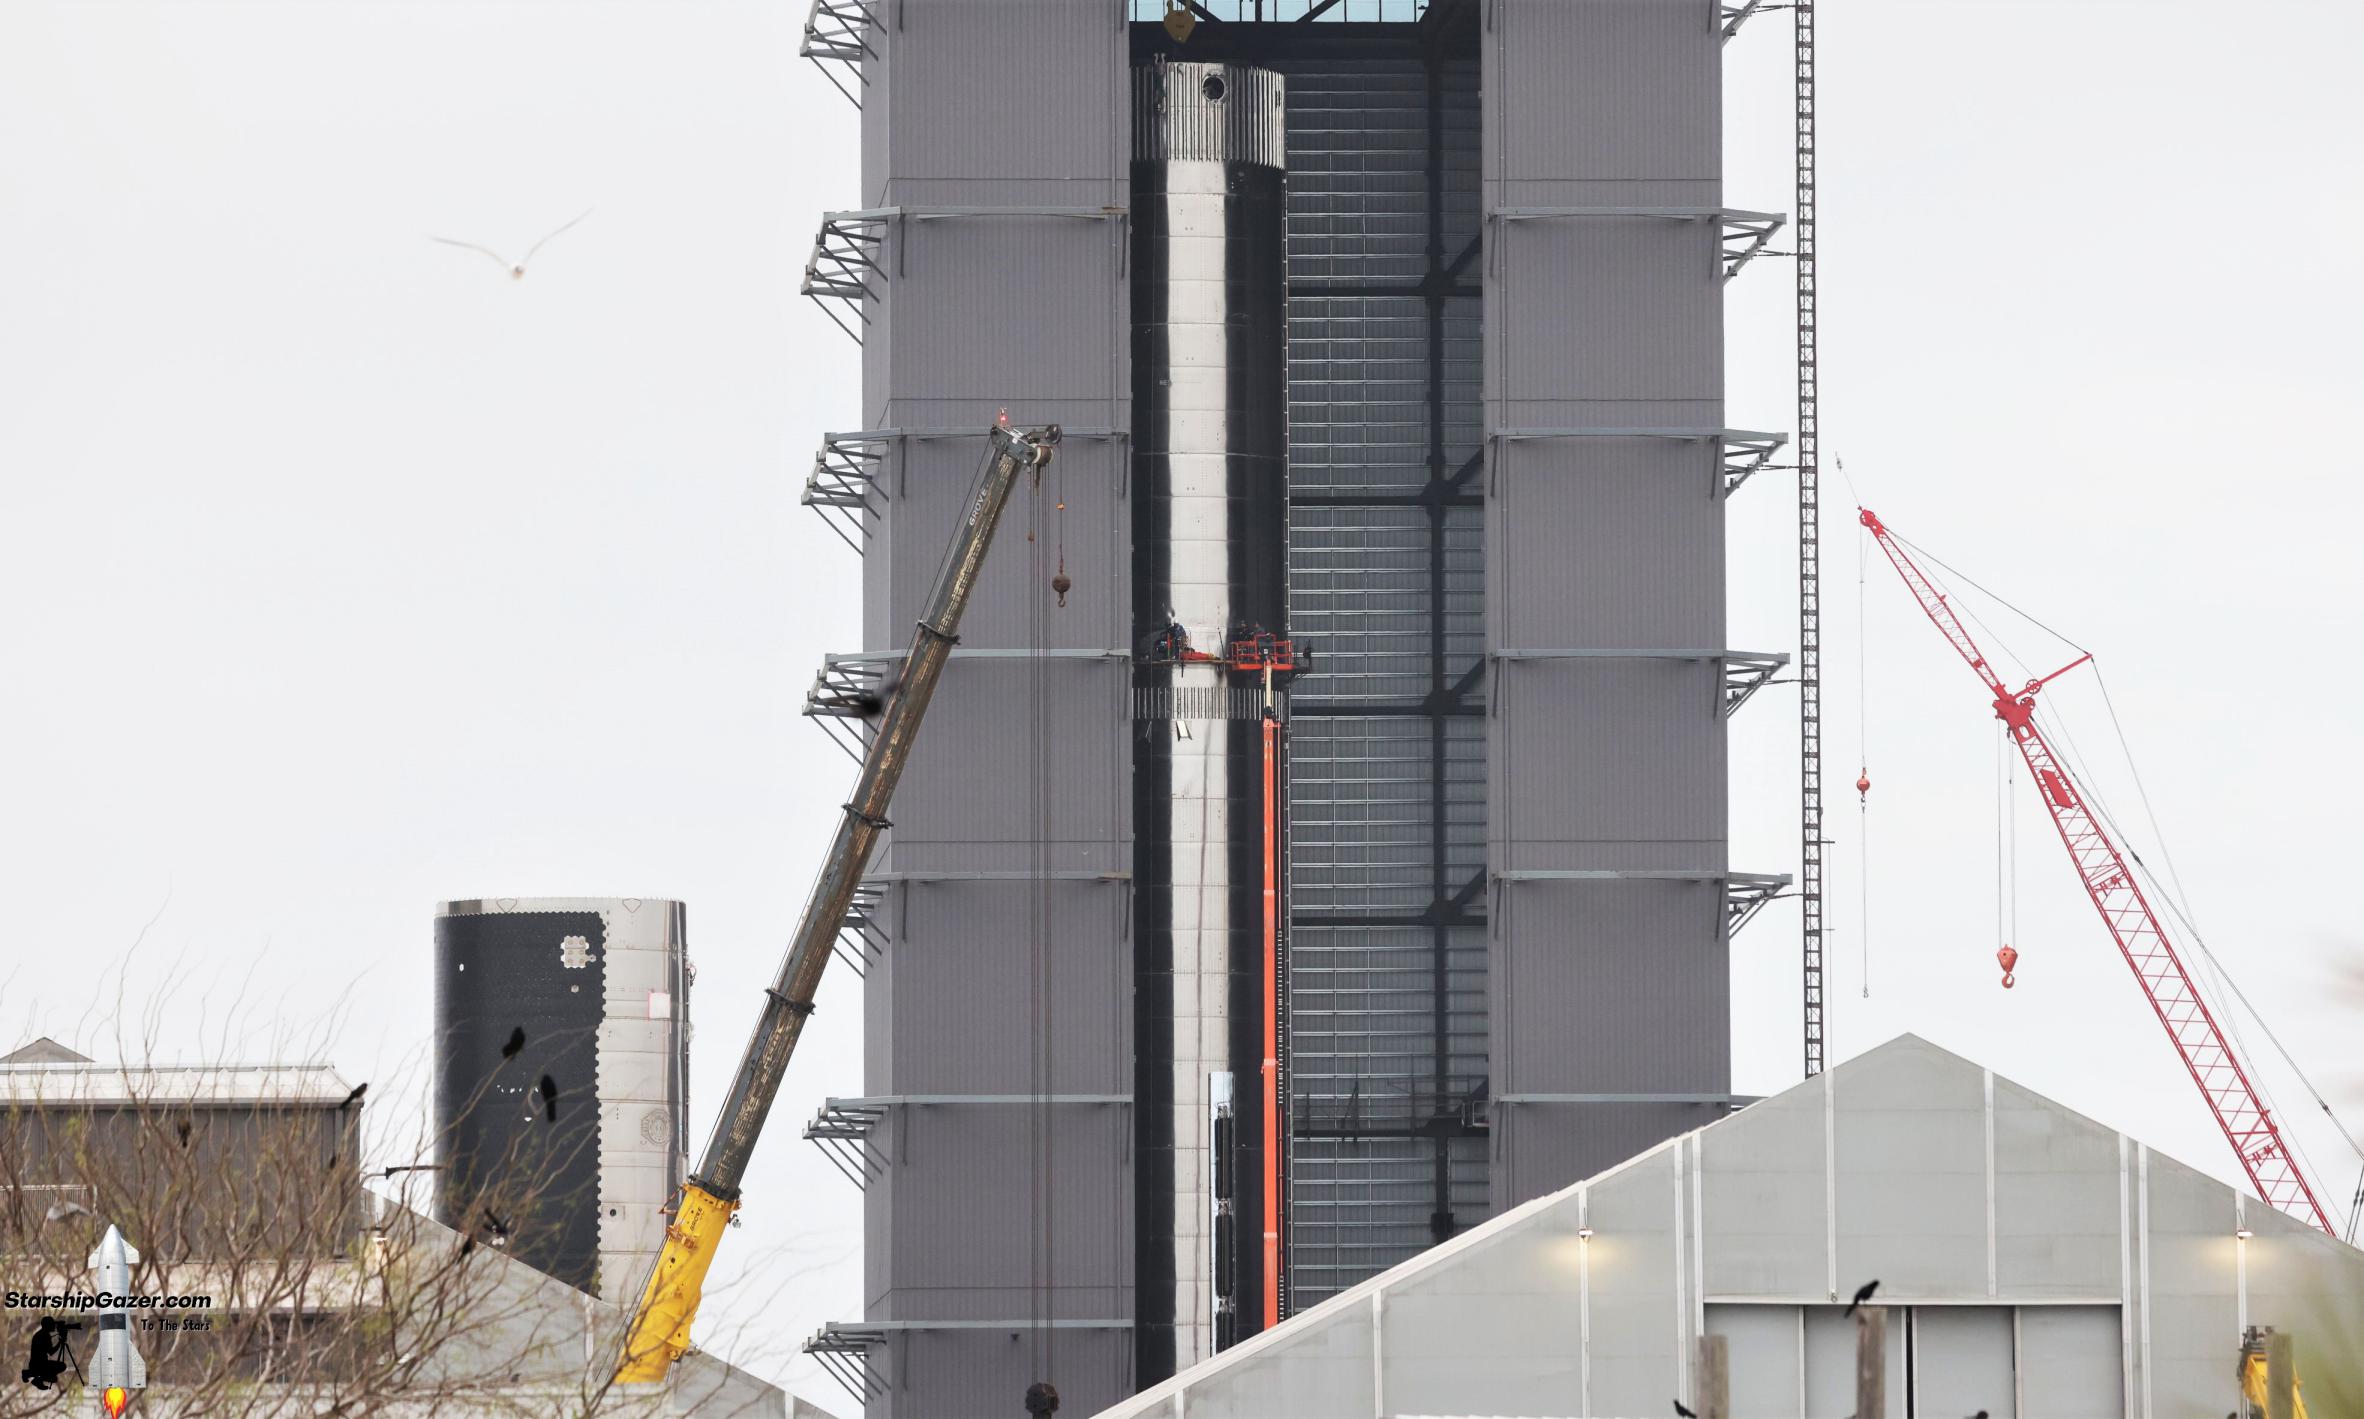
{"x": 590, "y": 994}
{"x": 1210, "y": 537}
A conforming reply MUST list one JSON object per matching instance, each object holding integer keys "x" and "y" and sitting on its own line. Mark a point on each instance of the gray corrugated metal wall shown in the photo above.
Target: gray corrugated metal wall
{"x": 1418, "y": 546}
{"x": 1606, "y": 818}
{"x": 1387, "y": 582}
{"x": 1012, "y": 830}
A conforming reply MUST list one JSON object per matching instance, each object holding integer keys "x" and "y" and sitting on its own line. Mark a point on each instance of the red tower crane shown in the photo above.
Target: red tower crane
{"x": 2240, "y": 1110}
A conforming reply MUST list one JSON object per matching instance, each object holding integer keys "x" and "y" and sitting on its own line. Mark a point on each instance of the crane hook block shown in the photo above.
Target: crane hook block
{"x": 1863, "y": 784}
{"x": 2007, "y": 958}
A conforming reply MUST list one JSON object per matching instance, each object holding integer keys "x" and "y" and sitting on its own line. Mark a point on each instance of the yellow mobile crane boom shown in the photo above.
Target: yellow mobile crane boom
{"x": 660, "y": 1329}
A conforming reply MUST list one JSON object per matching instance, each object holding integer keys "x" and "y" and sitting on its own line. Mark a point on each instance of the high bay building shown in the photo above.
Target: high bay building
{"x": 1351, "y": 695}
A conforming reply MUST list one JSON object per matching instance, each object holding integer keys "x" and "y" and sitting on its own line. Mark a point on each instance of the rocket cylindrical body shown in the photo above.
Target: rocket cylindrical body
{"x": 115, "y": 1361}
{"x": 1210, "y": 537}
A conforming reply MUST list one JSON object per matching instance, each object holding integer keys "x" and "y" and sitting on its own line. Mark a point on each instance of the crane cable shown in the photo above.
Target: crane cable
{"x": 2006, "y": 860}
{"x": 1862, "y": 740}
{"x": 2170, "y": 891}
{"x": 1040, "y": 1036}
{"x": 1863, "y": 760}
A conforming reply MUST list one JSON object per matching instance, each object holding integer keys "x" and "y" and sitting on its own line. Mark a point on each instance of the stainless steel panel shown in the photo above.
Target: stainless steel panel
{"x": 930, "y": 480}
{"x": 967, "y": 1233}
{"x": 974, "y": 967}
{"x": 1023, "y": 769}
{"x": 977, "y": 328}
{"x": 1607, "y": 544}
{"x": 1607, "y": 763}
{"x": 1610, "y": 103}
{"x": 1596, "y": 988}
{"x": 1601, "y": 764}
{"x": 962, "y": 1374}
{"x": 1540, "y": 1148}
{"x": 1005, "y": 101}
{"x": 1623, "y": 313}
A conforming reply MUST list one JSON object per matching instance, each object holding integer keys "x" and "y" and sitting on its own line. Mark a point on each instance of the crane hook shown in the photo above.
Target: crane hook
{"x": 1863, "y": 786}
{"x": 2007, "y": 958}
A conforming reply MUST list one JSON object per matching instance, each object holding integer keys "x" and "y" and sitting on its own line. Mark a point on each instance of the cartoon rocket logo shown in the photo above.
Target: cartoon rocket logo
{"x": 117, "y": 1369}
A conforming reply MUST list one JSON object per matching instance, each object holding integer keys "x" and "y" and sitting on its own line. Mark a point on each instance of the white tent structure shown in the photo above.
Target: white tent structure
{"x": 2035, "y": 1265}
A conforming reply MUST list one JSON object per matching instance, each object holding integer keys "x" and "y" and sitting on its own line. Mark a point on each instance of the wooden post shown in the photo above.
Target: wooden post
{"x": 1871, "y": 1362}
{"x": 1714, "y": 1378}
{"x": 2281, "y": 1376}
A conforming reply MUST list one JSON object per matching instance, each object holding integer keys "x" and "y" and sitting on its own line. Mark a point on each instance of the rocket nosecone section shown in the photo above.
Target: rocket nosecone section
{"x": 115, "y": 1361}
{"x": 1210, "y": 538}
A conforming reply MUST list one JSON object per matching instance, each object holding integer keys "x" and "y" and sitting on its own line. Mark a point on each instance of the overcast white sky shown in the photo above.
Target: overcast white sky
{"x": 344, "y": 575}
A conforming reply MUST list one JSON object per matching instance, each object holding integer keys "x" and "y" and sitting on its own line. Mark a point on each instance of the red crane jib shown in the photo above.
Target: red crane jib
{"x": 2218, "y": 1070}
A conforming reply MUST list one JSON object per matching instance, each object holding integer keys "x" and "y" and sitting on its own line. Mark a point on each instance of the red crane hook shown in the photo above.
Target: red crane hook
{"x": 2007, "y": 958}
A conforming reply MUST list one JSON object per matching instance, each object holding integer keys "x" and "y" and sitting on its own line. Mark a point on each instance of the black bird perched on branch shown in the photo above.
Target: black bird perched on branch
{"x": 498, "y": 1228}
{"x": 549, "y": 1088}
{"x": 1863, "y": 1294}
{"x": 516, "y": 1043}
{"x": 355, "y": 1097}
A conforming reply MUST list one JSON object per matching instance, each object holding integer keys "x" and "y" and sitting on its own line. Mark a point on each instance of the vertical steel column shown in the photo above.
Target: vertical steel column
{"x": 1810, "y": 866}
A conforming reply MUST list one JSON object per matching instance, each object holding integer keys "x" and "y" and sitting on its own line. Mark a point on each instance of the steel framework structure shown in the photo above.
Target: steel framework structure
{"x": 1811, "y": 881}
{"x": 2239, "y": 1108}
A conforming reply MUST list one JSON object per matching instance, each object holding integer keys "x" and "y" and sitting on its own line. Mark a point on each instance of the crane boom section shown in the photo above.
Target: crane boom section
{"x": 2215, "y": 1066}
{"x": 660, "y": 1331}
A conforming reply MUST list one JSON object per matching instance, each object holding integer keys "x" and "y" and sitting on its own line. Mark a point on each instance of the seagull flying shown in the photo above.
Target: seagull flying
{"x": 516, "y": 269}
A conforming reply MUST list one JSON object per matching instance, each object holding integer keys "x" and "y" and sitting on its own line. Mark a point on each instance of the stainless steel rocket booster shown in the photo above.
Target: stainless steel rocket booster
{"x": 116, "y": 1369}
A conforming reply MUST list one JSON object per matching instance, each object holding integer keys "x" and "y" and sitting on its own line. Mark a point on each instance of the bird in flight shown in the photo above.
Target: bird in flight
{"x": 516, "y": 269}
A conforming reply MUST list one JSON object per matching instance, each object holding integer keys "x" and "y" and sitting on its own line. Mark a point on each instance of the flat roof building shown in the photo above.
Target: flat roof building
{"x": 2032, "y": 1263}
{"x": 241, "y": 1186}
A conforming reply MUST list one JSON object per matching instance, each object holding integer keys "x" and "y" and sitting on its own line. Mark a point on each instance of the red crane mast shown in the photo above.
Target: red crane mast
{"x": 2240, "y": 1110}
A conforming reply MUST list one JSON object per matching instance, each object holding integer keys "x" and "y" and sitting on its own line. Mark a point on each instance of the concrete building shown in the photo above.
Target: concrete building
{"x": 1505, "y": 896}
{"x": 2033, "y": 1264}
